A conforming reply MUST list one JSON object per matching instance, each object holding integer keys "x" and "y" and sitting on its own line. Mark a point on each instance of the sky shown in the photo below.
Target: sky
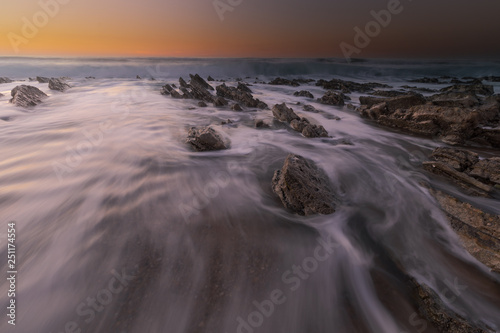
{"x": 251, "y": 28}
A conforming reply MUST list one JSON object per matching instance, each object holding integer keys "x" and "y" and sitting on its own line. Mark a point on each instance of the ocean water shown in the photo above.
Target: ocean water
{"x": 121, "y": 227}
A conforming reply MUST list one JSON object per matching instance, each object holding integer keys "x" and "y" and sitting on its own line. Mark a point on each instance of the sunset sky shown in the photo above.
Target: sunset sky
{"x": 254, "y": 28}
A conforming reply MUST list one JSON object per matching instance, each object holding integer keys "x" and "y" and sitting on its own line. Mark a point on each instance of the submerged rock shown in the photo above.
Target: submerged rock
{"x": 236, "y": 107}
{"x": 303, "y": 187}
{"x": 303, "y": 93}
{"x": 42, "y": 79}
{"x": 259, "y": 123}
{"x": 26, "y": 96}
{"x": 58, "y": 84}
{"x": 302, "y": 125}
{"x": 205, "y": 139}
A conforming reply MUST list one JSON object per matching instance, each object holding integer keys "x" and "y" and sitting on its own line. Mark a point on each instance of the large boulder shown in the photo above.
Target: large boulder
{"x": 26, "y": 96}
{"x": 303, "y": 187}
{"x": 283, "y": 113}
{"x": 332, "y": 98}
{"x": 58, "y": 84}
{"x": 205, "y": 139}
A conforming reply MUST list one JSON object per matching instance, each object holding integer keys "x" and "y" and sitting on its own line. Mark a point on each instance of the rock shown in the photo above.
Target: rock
{"x": 138, "y": 77}
{"x": 220, "y": 101}
{"x": 1, "y": 95}
{"x": 471, "y": 185}
{"x": 436, "y": 312}
{"x": 284, "y": 82}
{"x": 236, "y": 107}
{"x": 332, "y": 98}
{"x": 349, "y": 86}
{"x": 5, "y": 80}
{"x": 240, "y": 96}
{"x": 205, "y": 139}
{"x": 42, "y": 79}
{"x": 210, "y": 78}
{"x": 394, "y": 103}
{"x": 176, "y": 94}
{"x": 314, "y": 131}
{"x": 303, "y": 93}
{"x": 303, "y": 187}
{"x": 309, "y": 108}
{"x": 259, "y": 123}
{"x": 487, "y": 170}
{"x": 454, "y": 99}
{"x": 283, "y": 113}
{"x": 183, "y": 83}
{"x": 228, "y": 122}
{"x": 202, "y": 104}
{"x": 492, "y": 78}
{"x": 26, "y": 96}
{"x": 166, "y": 89}
{"x": 58, "y": 84}
{"x": 476, "y": 88}
{"x": 426, "y": 80}
{"x": 90, "y": 78}
{"x": 478, "y": 230}
{"x": 244, "y": 87}
{"x": 458, "y": 159}
{"x": 197, "y": 81}
{"x": 388, "y": 93}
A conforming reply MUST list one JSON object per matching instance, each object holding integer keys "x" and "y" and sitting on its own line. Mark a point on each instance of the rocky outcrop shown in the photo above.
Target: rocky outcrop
{"x": 244, "y": 87}
{"x": 285, "y": 82}
{"x": 303, "y": 93}
{"x": 210, "y": 79}
{"x": 197, "y": 81}
{"x": 453, "y": 124}
{"x": 205, "y": 139}
{"x": 302, "y": 125}
{"x": 465, "y": 169}
{"x": 5, "y": 80}
{"x": 58, "y": 84}
{"x": 435, "y": 311}
{"x": 426, "y": 80}
{"x": 348, "y": 86}
{"x": 478, "y": 230}
{"x": 238, "y": 95}
{"x": 476, "y": 88}
{"x": 26, "y": 96}
{"x": 42, "y": 79}
{"x": 303, "y": 187}
{"x": 333, "y": 98}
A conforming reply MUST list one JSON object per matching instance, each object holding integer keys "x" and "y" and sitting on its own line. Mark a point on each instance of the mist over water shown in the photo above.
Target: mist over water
{"x": 123, "y": 228}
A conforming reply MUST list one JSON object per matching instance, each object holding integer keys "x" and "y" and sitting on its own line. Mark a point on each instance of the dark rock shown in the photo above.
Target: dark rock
{"x": 349, "y": 86}
{"x": 426, "y": 80}
{"x": 283, "y": 113}
{"x": 388, "y": 93}
{"x": 477, "y": 89}
{"x": 284, "y": 82}
{"x": 186, "y": 93}
{"x": 58, "y": 84}
{"x": 205, "y": 139}
{"x": 478, "y": 230}
{"x": 42, "y": 79}
{"x": 176, "y": 94}
{"x": 220, "y": 101}
{"x": 332, "y": 98}
{"x": 436, "y": 312}
{"x": 138, "y": 77}
{"x": 1, "y": 94}
{"x": 492, "y": 78}
{"x": 236, "y": 107}
{"x": 166, "y": 89}
{"x": 210, "y": 78}
{"x": 238, "y": 95}
{"x": 5, "y": 80}
{"x": 458, "y": 159}
{"x": 244, "y": 87}
{"x": 183, "y": 83}
{"x": 394, "y": 103}
{"x": 26, "y": 96}
{"x": 202, "y": 104}
{"x": 228, "y": 122}
{"x": 309, "y": 108}
{"x": 314, "y": 131}
{"x": 197, "y": 81}
{"x": 90, "y": 78}
{"x": 259, "y": 123}
{"x": 454, "y": 99}
{"x": 303, "y": 187}
{"x": 487, "y": 170}
{"x": 303, "y": 93}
